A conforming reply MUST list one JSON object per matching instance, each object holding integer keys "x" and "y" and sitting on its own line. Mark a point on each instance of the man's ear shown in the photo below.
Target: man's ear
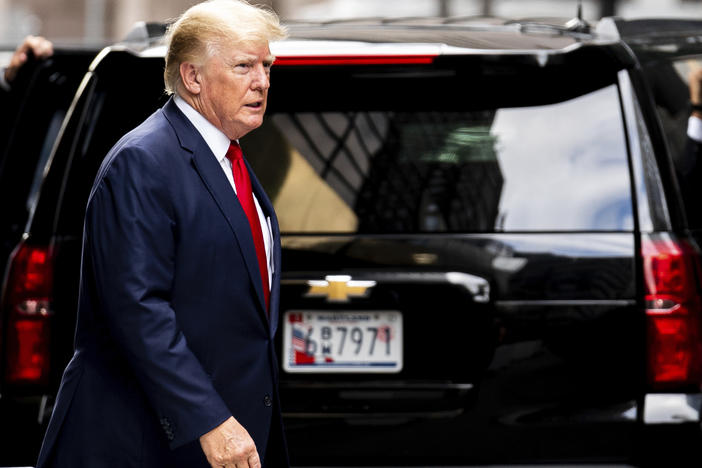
{"x": 190, "y": 76}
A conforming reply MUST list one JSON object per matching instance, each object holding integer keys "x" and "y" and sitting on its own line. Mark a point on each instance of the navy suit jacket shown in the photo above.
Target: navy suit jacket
{"x": 172, "y": 335}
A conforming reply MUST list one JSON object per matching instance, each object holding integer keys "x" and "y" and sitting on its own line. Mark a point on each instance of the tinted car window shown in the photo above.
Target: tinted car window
{"x": 668, "y": 80}
{"x": 559, "y": 166}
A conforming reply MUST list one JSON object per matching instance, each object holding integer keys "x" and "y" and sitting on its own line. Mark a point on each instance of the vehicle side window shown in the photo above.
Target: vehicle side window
{"x": 47, "y": 143}
{"x": 669, "y": 82}
{"x": 36, "y": 123}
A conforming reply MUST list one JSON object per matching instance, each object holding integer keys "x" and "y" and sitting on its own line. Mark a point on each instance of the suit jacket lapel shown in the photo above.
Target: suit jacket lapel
{"x": 217, "y": 184}
{"x": 268, "y": 211}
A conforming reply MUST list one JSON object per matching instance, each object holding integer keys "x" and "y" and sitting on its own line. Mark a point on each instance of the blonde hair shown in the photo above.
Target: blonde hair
{"x": 207, "y": 26}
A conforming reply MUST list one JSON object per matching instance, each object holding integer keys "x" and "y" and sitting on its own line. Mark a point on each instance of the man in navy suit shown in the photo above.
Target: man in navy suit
{"x": 174, "y": 362}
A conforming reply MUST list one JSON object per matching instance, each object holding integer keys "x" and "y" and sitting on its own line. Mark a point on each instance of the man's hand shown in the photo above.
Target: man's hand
{"x": 37, "y": 45}
{"x": 230, "y": 445}
{"x": 695, "y": 78}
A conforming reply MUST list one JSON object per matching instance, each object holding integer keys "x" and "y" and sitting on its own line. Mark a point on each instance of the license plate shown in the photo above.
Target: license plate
{"x": 348, "y": 341}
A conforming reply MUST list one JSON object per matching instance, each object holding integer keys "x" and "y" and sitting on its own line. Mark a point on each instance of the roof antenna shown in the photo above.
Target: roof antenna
{"x": 578, "y": 24}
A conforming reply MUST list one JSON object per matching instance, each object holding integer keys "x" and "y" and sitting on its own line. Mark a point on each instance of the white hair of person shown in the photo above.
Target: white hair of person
{"x": 206, "y": 27}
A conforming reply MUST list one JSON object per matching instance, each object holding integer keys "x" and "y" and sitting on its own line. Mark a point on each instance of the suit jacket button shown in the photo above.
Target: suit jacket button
{"x": 267, "y": 400}
{"x": 167, "y": 428}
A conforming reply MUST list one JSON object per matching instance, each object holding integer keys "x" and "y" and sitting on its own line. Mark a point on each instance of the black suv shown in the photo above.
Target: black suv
{"x": 30, "y": 120}
{"x": 491, "y": 243}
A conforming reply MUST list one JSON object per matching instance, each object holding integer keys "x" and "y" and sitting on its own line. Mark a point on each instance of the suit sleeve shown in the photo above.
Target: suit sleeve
{"x": 131, "y": 241}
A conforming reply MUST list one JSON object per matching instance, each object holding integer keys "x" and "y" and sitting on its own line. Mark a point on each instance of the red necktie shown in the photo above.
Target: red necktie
{"x": 245, "y": 195}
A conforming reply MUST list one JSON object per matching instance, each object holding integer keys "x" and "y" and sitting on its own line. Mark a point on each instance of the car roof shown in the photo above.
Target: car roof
{"x": 539, "y": 38}
{"x": 490, "y": 34}
{"x": 656, "y": 38}
{"x": 651, "y": 29}
{"x": 454, "y": 35}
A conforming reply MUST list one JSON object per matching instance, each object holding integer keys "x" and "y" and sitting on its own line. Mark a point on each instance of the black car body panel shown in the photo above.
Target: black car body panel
{"x": 497, "y": 189}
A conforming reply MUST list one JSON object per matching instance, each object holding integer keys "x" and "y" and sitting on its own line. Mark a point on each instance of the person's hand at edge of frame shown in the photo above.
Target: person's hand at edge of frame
{"x": 230, "y": 445}
{"x": 37, "y": 46}
{"x": 695, "y": 78}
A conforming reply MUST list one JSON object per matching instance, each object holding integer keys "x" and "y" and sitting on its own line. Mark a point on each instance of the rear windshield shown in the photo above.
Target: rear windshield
{"x": 463, "y": 145}
{"x": 441, "y": 161}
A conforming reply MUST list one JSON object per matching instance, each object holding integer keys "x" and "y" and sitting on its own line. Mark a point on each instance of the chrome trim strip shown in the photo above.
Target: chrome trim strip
{"x": 43, "y": 413}
{"x": 392, "y": 385}
{"x": 321, "y": 46}
{"x": 563, "y": 303}
{"x": 478, "y": 287}
{"x": 672, "y": 408}
{"x": 374, "y": 416}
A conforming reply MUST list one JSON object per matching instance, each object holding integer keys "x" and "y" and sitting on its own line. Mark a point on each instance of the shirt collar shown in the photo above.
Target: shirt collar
{"x": 216, "y": 140}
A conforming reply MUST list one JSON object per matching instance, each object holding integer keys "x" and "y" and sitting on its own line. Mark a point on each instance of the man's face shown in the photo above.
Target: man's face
{"x": 234, "y": 88}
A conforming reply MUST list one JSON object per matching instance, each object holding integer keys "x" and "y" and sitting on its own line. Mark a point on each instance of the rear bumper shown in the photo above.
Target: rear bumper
{"x": 376, "y": 399}
{"x": 664, "y": 431}
{"x": 672, "y": 408}
{"x": 465, "y": 466}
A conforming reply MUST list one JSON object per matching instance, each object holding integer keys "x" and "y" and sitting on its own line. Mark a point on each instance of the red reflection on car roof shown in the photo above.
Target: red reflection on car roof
{"x": 423, "y": 59}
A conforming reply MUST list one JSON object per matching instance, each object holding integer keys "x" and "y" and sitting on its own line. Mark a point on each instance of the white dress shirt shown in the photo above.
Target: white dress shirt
{"x": 218, "y": 142}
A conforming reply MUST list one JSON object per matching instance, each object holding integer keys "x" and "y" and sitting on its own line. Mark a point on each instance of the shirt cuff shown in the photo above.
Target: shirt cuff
{"x": 694, "y": 128}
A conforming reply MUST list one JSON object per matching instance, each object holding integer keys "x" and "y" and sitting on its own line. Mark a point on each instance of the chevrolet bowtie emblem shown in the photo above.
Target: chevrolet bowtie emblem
{"x": 338, "y": 288}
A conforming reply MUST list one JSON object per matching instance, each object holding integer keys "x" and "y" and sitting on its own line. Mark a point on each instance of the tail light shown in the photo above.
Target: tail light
{"x": 673, "y": 312}
{"x": 27, "y": 308}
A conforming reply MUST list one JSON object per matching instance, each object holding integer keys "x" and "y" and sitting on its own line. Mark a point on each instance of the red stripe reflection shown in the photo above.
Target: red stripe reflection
{"x": 355, "y": 60}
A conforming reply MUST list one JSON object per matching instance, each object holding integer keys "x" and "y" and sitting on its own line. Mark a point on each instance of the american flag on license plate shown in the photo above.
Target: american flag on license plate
{"x": 298, "y": 340}
{"x": 299, "y": 348}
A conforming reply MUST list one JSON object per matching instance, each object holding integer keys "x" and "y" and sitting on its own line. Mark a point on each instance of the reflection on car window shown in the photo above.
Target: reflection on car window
{"x": 51, "y": 134}
{"x": 565, "y": 165}
{"x": 556, "y": 167}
